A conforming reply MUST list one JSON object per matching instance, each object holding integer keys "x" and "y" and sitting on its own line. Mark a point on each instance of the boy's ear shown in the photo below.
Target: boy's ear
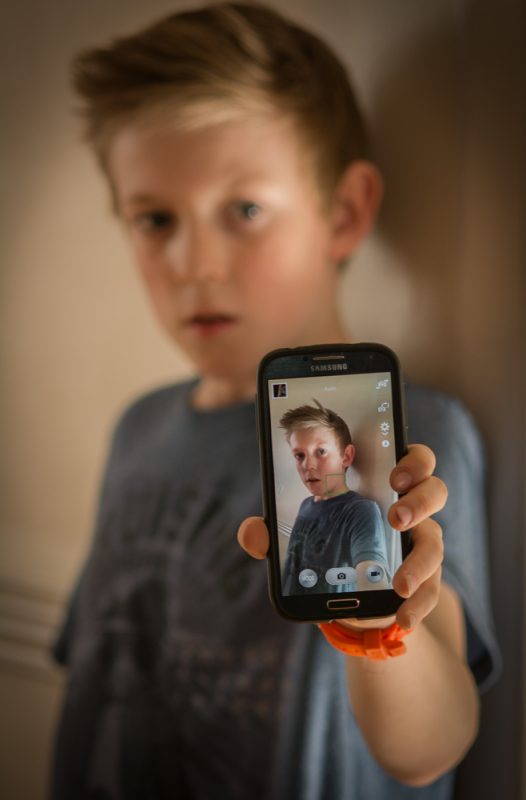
{"x": 348, "y": 455}
{"x": 357, "y": 199}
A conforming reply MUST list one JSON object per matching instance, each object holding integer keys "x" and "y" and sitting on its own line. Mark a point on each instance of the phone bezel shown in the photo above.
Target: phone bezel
{"x": 296, "y": 362}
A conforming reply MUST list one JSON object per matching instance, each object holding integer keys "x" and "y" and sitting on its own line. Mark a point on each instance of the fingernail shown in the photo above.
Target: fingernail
{"x": 401, "y": 481}
{"x": 403, "y": 515}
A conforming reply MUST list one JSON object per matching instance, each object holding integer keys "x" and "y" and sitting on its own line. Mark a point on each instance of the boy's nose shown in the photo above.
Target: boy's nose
{"x": 198, "y": 256}
{"x": 310, "y": 462}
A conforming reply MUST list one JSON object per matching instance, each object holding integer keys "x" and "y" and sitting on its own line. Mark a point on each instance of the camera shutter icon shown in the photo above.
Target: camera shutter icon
{"x": 340, "y": 576}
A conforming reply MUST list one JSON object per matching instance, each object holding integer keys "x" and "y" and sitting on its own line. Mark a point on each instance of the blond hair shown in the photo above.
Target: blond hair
{"x": 316, "y": 416}
{"x": 210, "y": 64}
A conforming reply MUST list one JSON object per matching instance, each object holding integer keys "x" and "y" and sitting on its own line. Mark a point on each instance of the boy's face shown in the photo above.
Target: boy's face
{"x": 320, "y": 462}
{"x": 230, "y": 237}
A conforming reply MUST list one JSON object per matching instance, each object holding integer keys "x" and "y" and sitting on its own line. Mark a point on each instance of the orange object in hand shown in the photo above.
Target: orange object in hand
{"x": 378, "y": 644}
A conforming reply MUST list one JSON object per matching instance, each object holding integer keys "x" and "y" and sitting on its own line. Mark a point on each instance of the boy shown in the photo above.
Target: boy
{"x": 237, "y": 162}
{"x": 335, "y": 529}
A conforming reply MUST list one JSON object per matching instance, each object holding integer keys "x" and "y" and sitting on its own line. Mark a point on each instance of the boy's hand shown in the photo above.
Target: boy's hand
{"x": 418, "y": 578}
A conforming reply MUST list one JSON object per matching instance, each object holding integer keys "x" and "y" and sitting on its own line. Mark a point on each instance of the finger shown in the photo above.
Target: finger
{"x": 423, "y": 561}
{"x": 417, "y": 465}
{"x": 253, "y": 537}
{"x": 355, "y": 624}
{"x": 419, "y": 503}
{"x": 421, "y": 603}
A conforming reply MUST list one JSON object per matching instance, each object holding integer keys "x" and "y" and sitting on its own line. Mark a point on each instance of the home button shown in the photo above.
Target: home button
{"x": 349, "y": 604}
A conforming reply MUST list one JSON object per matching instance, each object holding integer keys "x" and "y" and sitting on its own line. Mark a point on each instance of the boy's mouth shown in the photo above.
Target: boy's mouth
{"x": 210, "y": 323}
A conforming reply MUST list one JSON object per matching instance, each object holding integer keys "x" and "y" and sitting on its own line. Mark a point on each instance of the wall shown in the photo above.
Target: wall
{"x": 442, "y": 84}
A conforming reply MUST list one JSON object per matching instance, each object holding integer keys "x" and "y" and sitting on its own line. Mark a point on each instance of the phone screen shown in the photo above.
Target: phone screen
{"x": 333, "y": 448}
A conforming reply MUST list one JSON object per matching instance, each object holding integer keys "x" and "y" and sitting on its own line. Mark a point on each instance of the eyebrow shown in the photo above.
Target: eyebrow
{"x": 139, "y": 200}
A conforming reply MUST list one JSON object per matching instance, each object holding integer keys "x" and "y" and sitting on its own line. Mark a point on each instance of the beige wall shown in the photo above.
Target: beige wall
{"x": 442, "y": 84}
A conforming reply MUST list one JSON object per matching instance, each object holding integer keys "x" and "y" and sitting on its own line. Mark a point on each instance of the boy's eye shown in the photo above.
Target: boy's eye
{"x": 299, "y": 456}
{"x": 321, "y": 451}
{"x": 154, "y": 221}
{"x": 246, "y": 210}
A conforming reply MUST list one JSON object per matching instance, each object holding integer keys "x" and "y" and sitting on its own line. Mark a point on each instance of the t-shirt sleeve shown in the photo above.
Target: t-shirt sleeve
{"x": 61, "y": 646}
{"x": 444, "y": 425}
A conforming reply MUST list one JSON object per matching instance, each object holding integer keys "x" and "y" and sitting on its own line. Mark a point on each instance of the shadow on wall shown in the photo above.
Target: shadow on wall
{"x": 447, "y": 133}
{"x": 418, "y": 125}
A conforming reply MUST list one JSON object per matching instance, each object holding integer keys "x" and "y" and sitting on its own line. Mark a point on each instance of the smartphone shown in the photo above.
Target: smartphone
{"x": 331, "y": 425}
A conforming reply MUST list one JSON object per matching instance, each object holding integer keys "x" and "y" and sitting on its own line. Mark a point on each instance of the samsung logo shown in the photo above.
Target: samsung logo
{"x": 328, "y": 367}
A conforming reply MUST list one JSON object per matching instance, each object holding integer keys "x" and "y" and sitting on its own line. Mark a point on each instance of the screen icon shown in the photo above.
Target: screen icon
{"x": 279, "y": 390}
{"x": 386, "y": 443}
{"x": 385, "y": 428}
{"x": 383, "y": 384}
{"x": 308, "y": 578}
{"x": 374, "y": 573}
{"x": 340, "y": 576}
{"x": 383, "y": 407}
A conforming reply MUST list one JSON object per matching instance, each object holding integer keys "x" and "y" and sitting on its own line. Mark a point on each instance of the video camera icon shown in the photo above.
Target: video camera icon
{"x": 374, "y": 573}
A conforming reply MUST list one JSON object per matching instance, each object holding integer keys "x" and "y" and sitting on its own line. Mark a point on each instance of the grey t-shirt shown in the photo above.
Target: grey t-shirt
{"x": 183, "y": 680}
{"x": 341, "y": 532}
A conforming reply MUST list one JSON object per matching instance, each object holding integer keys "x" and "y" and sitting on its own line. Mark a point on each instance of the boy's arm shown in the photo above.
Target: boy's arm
{"x": 367, "y": 545}
{"x": 427, "y": 700}
{"x": 419, "y": 712}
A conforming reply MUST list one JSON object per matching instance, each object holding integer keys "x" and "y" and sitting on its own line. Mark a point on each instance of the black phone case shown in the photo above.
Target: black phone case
{"x": 365, "y": 357}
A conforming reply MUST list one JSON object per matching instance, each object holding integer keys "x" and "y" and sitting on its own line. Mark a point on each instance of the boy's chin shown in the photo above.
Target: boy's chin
{"x": 317, "y": 492}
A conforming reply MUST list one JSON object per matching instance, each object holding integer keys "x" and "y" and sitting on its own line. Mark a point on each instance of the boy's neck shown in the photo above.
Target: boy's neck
{"x": 218, "y": 392}
{"x": 212, "y": 392}
{"x": 344, "y": 489}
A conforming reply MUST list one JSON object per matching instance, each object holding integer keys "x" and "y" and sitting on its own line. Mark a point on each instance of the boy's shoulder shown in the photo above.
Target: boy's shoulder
{"x": 438, "y": 413}
{"x": 443, "y": 423}
{"x": 420, "y": 398}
